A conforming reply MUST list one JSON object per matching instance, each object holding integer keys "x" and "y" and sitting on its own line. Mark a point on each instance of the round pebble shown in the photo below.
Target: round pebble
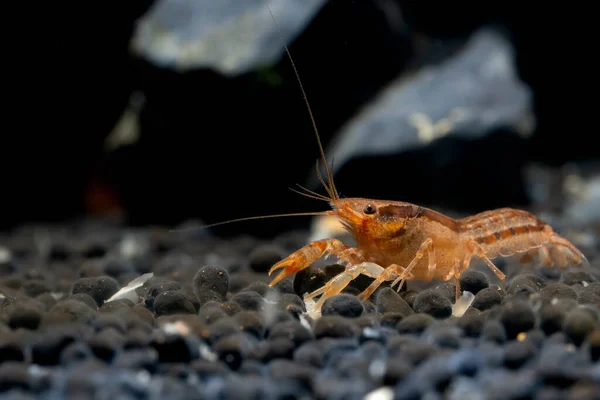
{"x": 221, "y": 331}
{"x": 493, "y": 331}
{"x": 558, "y": 291}
{"x": 345, "y": 305}
{"x": 335, "y": 326}
{"x": 471, "y": 322}
{"x": 206, "y": 296}
{"x": 100, "y": 288}
{"x": 26, "y": 316}
{"x": 552, "y": 314}
{"x": 534, "y": 282}
{"x": 578, "y": 324}
{"x": 434, "y": 303}
{"x": 308, "y": 280}
{"x": 517, "y": 317}
{"x": 173, "y": 302}
{"x": 159, "y": 288}
{"x": 212, "y": 278}
{"x": 292, "y": 330}
{"x": 473, "y": 281}
{"x": 263, "y": 257}
{"x": 259, "y": 287}
{"x": 68, "y": 311}
{"x": 517, "y": 353}
{"x": 251, "y": 323}
{"x": 388, "y": 300}
{"x": 289, "y": 301}
{"x": 85, "y": 299}
{"x": 36, "y": 287}
{"x": 593, "y": 341}
{"x": 571, "y": 278}
{"x": 590, "y": 295}
{"x": 486, "y": 299}
{"x": 249, "y": 301}
{"x": 414, "y": 324}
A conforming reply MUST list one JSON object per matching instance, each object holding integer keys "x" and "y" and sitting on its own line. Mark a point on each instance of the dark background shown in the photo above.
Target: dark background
{"x": 216, "y": 148}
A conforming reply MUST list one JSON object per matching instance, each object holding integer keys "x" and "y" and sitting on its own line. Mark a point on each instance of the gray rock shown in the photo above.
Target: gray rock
{"x": 231, "y": 36}
{"x": 470, "y": 94}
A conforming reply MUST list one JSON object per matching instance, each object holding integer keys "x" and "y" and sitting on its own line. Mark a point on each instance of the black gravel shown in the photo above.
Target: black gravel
{"x": 207, "y": 325}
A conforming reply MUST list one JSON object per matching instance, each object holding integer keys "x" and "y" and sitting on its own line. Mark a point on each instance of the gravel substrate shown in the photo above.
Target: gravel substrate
{"x": 203, "y": 323}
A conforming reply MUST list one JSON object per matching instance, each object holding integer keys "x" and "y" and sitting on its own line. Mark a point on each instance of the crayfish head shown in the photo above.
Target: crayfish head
{"x": 375, "y": 218}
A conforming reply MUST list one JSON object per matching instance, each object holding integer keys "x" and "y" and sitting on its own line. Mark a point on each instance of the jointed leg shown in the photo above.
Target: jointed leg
{"x": 544, "y": 255}
{"x": 432, "y": 264}
{"x": 455, "y": 272}
{"x": 475, "y": 249}
{"x": 457, "y": 286}
{"x": 569, "y": 254}
{"x": 481, "y": 254}
{"x": 379, "y": 279}
{"x": 341, "y": 280}
{"x": 426, "y": 245}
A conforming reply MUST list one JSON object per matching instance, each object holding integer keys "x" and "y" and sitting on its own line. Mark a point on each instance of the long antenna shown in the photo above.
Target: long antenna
{"x": 251, "y": 218}
{"x": 331, "y": 187}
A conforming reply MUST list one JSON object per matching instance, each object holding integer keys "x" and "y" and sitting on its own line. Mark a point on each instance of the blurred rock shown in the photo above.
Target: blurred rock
{"x": 231, "y": 36}
{"x": 572, "y": 190}
{"x": 475, "y": 92}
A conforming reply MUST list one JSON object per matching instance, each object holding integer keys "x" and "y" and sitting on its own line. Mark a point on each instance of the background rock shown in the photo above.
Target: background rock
{"x": 206, "y": 145}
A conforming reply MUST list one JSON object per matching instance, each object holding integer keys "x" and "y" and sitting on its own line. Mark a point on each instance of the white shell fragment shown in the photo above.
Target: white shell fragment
{"x": 310, "y": 311}
{"x": 462, "y": 304}
{"x": 382, "y": 393}
{"x": 128, "y": 292}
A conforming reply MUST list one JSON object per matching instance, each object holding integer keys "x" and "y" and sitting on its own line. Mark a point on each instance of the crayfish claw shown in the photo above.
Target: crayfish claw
{"x": 303, "y": 258}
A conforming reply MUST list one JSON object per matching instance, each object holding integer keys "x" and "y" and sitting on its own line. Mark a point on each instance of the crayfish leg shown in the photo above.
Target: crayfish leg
{"x": 385, "y": 275}
{"x": 478, "y": 251}
{"x": 339, "y": 282}
{"x": 544, "y": 255}
{"x": 304, "y": 257}
{"x": 427, "y": 245}
{"x": 564, "y": 252}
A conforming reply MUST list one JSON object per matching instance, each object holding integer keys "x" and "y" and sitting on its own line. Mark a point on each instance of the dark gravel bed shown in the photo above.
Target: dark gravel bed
{"x": 198, "y": 320}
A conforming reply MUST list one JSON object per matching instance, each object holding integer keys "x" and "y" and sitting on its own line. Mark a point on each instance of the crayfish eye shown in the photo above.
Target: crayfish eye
{"x": 369, "y": 209}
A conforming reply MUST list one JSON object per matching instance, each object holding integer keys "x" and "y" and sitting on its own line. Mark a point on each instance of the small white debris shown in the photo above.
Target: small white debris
{"x": 127, "y": 130}
{"x": 369, "y": 332}
{"x": 176, "y": 328}
{"x": 128, "y": 292}
{"x": 304, "y": 322}
{"x": 462, "y": 304}
{"x": 270, "y": 309}
{"x": 584, "y": 284}
{"x": 206, "y": 353}
{"x": 5, "y": 254}
{"x": 272, "y": 297}
{"x": 133, "y": 245}
{"x": 57, "y": 295}
{"x": 310, "y": 308}
{"x": 383, "y": 393}
{"x": 143, "y": 377}
{"x": 377, "y": 369}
